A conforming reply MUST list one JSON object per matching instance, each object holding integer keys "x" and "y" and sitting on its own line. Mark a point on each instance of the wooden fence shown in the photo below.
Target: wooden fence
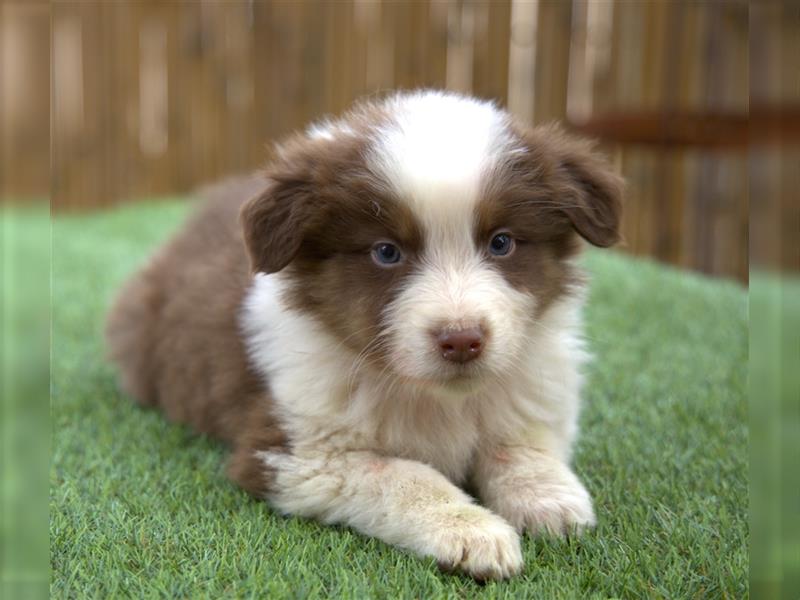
{"x": 153, "y": 98}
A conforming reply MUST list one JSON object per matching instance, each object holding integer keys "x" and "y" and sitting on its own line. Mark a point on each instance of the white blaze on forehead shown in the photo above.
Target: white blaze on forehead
{"x": 327, "y": 130}
{"x": 435, "y": 149}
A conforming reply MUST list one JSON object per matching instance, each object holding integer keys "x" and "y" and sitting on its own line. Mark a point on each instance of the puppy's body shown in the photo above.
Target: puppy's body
{"x": 396, "y": 315}
{"x": 174, "y": 329}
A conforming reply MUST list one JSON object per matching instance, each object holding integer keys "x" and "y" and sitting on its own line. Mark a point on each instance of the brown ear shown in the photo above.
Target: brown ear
{"x": 595, "y": 204}
{"x": 586, "y": 187}
{"x": 274, "y": 224}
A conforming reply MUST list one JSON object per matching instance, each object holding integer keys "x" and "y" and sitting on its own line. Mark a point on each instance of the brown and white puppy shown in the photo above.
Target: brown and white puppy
{"x": 391, "y": 311}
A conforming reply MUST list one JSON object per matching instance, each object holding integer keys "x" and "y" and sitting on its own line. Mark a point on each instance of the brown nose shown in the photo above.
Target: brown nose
{"x": 461, "y": 346}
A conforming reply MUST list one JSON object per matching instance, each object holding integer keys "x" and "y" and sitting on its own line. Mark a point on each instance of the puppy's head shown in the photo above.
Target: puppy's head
{"x": 429, "y": 232}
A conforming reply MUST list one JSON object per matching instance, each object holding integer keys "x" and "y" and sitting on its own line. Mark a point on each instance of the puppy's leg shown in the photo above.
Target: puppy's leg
{"x": 401, "y": 502}
{"x": 532, "y": 490}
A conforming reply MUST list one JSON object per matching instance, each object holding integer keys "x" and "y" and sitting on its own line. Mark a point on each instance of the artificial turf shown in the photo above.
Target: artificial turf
{"x": 141, "y": 507}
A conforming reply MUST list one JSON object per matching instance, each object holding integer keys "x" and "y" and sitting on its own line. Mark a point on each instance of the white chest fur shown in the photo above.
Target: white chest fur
{"x": 324, "y": 404}
{"x": 412, "y": 423}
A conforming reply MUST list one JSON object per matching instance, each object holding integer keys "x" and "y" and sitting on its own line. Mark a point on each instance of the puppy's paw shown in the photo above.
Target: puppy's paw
{"x": 480, "y": 544}
{"x": 557, "y": 506}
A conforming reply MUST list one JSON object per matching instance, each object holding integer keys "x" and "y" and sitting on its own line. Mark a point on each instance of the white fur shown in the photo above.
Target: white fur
{"x": 436, "y": 147}
{"x": 384, "y": 452}
{"x": 326, "y": 130}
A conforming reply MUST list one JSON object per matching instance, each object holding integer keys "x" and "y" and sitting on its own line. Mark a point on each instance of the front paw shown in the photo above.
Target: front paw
{"x": 480, "y": 544}
{"x": 557, "y": 506}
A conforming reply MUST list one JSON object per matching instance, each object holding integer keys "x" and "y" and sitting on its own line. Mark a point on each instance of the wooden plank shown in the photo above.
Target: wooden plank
{"x": 552, "y": 60}
{"x": 436, "y": 56}
{"x": 496, "y": 65}
{"x": 652, "y": 68}
{"x": 461, "y": 24}
{"x": 606, "y": 50}
{"x": 79, "y": 178}
{"x": 281, "y": 63}
{"x": 579, "y": 79}
{"x": 380, "y": 46}
{"x": 364, "y": 17}
{"x": 306, "y": 42}
{"x": 788, "y": 92}
{"x": 627, "y": 83}
{"x": 263, "y": 59}
{"x": 405, "y": 59}
{"x": 492, "y": 30}
{"x": 654, "y": 77}
{"x": 24, "y": 100}
{"x": 238, "y": 88}
{"x": 125, "y": 166}
{"x": 68, "y": 103}
{"x": 338, "y": 20}
{"x": 632, "y": 168}
{"x": 190, "y": 126}
{"x": 522, "y": 59}
{"x": 730, "y": 232}
{"x": 421, "y": 42}
{"x": 479, "y": 12}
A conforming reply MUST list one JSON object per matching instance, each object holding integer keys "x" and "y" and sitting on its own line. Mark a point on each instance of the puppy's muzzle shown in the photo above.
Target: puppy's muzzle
{"x": 461, "y": 346}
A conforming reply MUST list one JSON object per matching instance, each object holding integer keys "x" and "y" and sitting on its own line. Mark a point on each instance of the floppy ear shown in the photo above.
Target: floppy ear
{"x": 586, "y": 186}
{"x": 275, "y": 222}
{"x": 597, "y": 194}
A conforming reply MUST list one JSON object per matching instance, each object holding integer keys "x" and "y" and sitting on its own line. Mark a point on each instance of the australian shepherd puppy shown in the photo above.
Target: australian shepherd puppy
{"x": 388, "y": 314}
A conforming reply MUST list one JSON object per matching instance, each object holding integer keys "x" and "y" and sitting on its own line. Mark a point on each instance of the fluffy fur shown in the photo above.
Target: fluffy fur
{"x": 282, "y": 333}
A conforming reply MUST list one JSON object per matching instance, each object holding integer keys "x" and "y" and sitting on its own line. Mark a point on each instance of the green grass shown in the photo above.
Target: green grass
{"x": 24, "y": 398}
{"x": 141, "y": 507}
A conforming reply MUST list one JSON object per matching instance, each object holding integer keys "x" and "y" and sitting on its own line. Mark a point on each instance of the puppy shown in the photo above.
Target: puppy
{"x": 390, "y": 312}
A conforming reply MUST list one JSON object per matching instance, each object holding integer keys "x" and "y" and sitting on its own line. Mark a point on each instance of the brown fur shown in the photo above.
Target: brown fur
{"x": 580, "y": 182}
{"x": 545, "y": 197}
{"x": 173, "y": 332}
{"x": 324, "y": 211}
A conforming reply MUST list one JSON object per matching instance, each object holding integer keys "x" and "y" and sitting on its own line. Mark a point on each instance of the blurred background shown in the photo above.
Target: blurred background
{"x": 153, "y": 98}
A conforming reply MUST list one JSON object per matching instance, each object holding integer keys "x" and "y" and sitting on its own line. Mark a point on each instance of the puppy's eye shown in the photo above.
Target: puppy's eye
{"x": 501, "y": 244}
{"x": 384, "y": 253}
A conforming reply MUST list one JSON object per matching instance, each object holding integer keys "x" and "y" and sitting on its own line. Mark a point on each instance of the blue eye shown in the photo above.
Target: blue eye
{"x": 501, "y": 244}
{"x": 386, "y": 254}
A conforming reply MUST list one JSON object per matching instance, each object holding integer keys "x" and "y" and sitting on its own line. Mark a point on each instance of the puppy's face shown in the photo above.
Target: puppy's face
{"x": 428, "y": 233}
